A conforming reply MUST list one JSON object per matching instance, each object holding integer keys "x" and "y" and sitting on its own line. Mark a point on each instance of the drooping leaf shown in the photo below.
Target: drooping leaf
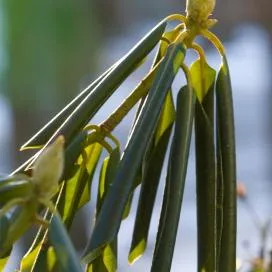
{"x": 175, "y": 181}
{"x": 227, "y": 169}
{"x": 153, "y": 163}
{"x": 206, "y": 182}
{"x": 65, "y": 253}
{"x": 202, "y": 78}
{"x": 167, "y": 38}
{"x": 139, "y": 175}
{"x": 113, "y": 207}
{"x": 151, "y": 177}
{"x": 203, "y": 81}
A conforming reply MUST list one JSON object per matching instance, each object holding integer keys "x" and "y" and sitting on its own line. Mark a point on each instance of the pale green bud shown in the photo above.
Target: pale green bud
{"x": 199, "y": 10}
{"x": 48, "y": 168}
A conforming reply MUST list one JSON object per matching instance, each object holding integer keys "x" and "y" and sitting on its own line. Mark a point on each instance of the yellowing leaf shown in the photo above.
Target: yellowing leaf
{"x": 203, "y": 78}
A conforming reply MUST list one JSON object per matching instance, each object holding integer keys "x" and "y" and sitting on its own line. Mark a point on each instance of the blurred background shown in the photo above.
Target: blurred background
{"x": 50, "y": 50}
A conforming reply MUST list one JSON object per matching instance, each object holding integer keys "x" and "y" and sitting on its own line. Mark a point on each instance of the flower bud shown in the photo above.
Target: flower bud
{"x": 199, "y": 10}
{"x": 241, "y": 190}
{"x": 48, "y": 168}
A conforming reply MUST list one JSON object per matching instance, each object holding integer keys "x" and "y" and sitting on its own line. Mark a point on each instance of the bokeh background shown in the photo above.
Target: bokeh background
{"x": 50, "y": 50}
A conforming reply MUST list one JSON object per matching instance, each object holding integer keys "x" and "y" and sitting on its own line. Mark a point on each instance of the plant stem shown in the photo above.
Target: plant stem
{"x": 214, "y": 40}
{"x": 141, "y": 90}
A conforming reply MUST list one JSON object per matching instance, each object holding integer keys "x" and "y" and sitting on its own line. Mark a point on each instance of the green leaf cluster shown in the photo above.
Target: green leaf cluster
{"x": 203, "y": 107}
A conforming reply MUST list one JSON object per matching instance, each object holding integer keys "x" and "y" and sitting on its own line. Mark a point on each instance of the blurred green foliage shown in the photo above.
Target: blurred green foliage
{"x": 50, "y": 49}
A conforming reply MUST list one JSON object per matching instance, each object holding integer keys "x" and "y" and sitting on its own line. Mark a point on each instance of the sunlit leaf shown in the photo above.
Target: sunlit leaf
{"x": 51, "y": 259}
{"x": 202, "y": 78}
{"x": 77, "y": 189}
{"x": 29, "y": 259}
{"x": 4, "y": 260}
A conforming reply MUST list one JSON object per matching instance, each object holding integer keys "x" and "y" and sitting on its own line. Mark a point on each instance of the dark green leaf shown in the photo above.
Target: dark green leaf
{"x": 152, "y": 173}
{"x": 203, "y": 80}
{"x": 114, "y": 205}
{"x": 206, "y": 182}
{"x": 167, "y": 38}
{"x": 175, "y": 181}
{"x": 227, "y": 169}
